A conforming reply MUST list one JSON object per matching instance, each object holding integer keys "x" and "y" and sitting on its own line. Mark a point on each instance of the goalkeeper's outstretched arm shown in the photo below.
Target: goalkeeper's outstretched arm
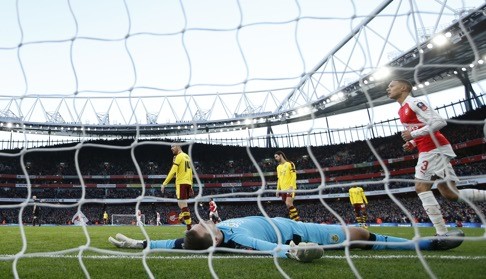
{"x": 122, "y": 241}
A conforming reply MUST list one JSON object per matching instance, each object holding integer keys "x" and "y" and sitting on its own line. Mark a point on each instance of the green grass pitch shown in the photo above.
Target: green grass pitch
{"x": 70, "y": 254}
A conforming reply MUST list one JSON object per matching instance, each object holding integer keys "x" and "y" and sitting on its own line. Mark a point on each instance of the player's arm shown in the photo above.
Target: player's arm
{"x": 293, "y": 176}
{"x": 364, "y": 198}
{"x": 260, "y": 245}
{"x": 167, "y": 244}
{"x": 432, "y": 120}
{"x": 122, "y": 241}
{"x": 173, "y": 171}
{"x": 304, "y": 252}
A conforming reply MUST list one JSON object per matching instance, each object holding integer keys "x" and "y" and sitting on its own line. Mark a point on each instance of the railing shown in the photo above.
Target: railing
{"x": 348, "y": 135}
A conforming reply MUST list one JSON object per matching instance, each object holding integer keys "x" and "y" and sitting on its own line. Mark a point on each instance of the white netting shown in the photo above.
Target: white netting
{"x": 230, "y": 72}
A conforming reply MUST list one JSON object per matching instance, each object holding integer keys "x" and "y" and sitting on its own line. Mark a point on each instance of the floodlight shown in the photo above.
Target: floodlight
{"x": 382, "y": 73}
{"x": 439, "y": 40}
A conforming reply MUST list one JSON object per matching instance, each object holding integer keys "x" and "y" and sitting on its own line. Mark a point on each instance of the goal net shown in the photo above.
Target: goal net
{"x": 126, "y": 219}
{"x": 94, "y": 93}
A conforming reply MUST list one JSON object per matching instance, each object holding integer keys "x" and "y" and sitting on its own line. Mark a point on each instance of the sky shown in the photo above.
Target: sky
{"x": 183, "y": 57}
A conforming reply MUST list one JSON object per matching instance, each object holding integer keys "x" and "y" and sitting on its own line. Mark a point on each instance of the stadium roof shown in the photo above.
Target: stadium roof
{"x": 436, "y": 65}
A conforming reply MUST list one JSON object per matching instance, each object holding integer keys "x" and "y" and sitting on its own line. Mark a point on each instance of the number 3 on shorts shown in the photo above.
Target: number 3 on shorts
{"x": 425, "y": 165}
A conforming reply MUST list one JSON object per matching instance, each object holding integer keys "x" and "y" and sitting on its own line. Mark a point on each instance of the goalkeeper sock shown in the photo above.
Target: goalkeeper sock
{"x": 432, "y": 209}
{"x": 395, "y": 243}
{"x": 473, "y": 195}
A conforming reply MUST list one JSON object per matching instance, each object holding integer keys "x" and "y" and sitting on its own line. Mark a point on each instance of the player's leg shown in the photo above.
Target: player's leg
{"x": 473, "y": 195}
{"x": 179, "y": 203}
{"x": 431, "y": 206}
{"x": 387, "y": 242}
{"x": 185, "y": 213}
{"x": 293, "y": 212}
{"x": 424, "y": 171}
{"x": 183, "y": 193}
{"x": 212, "y": 217}
{"x": 364, "y": 215}
{"x": 217, "y": 216}
{"x": 357, "y": 216}
{"x": 448, "y": 189}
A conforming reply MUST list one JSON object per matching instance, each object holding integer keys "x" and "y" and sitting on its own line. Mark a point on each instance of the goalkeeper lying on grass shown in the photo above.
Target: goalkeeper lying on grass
{"x": 301, "y": 241}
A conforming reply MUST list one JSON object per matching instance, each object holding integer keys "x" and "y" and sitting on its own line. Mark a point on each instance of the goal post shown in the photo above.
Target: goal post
{"x": 126, "y": 219}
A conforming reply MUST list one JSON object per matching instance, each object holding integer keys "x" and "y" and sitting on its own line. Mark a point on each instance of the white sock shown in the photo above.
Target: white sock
{"x": 431, "y": 206}
{"x": 473, "y": 195}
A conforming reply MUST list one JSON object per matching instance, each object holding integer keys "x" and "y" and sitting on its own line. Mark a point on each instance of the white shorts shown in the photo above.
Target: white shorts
{"x": 436, "y": 163}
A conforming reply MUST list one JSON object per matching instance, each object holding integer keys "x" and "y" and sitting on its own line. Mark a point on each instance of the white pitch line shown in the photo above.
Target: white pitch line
{"x": 114, "y": 257}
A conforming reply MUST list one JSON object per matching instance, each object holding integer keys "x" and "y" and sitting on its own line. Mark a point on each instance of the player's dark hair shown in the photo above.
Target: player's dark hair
{"x": 194, "y": 241}
{"x": 280, "y": 153}
{"x": 405, "y": 82}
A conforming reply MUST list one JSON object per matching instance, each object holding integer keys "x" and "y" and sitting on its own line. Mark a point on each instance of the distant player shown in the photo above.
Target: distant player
{"x": 422, "y": 131}
{"x": 35, "y": 212}
{"x": 358, "y": 199}
{"x": 181, "y": 168}
{"x": 139, "y": 218}
{"x": 105, "y": 217}
{"x": 213, "y": 211}
{"x": 158, "y": 219}
{"x": 287, "y": 183}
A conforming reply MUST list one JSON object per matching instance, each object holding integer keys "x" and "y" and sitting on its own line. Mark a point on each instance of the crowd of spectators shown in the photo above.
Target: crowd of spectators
{"x": 380, "y": 210}
{"x": 115, "y": 158}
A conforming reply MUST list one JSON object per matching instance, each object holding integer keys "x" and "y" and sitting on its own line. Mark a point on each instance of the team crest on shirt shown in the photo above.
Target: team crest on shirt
{"x": 422, "y": 106}
{"x": 334, "y": 238}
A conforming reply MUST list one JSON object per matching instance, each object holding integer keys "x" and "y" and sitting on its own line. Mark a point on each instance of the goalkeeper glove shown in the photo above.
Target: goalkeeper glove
{"x": 122, "y": 241}
{"x": 306, "y": 252}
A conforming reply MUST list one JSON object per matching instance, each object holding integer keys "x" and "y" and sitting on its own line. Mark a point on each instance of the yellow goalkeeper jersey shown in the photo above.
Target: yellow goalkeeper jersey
{"x": 356, "y": 195}
{"x": 286, "y": 176}
{"x": 181, "y": 168}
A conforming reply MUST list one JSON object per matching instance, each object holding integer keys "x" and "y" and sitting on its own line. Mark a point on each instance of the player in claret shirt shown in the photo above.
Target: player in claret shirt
{"x": 422, "y": 131}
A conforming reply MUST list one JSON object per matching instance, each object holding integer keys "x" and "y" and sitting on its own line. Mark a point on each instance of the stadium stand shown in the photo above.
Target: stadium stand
{"x": 111, "y": 174}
